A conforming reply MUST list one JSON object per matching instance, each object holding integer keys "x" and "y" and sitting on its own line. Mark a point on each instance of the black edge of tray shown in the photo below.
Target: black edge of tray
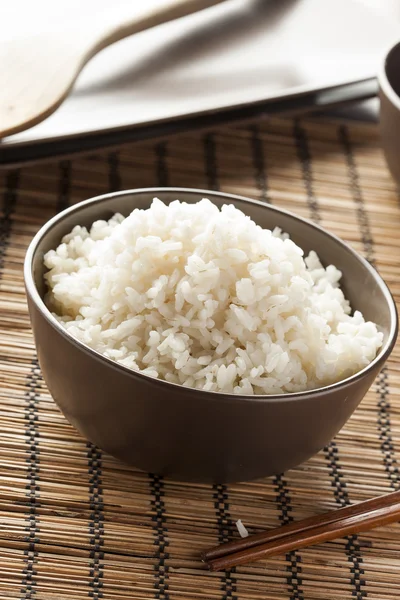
{"x": 31, "y": 152}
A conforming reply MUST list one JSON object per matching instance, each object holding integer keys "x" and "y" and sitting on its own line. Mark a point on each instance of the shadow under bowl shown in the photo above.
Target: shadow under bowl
{"x": 190, "y": 434}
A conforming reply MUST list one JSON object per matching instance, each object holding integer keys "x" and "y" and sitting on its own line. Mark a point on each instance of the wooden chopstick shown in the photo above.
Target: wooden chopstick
{"x": 299, "y": 526}
{"x": 314, "y": 530}
{"x": 351, "y": 525}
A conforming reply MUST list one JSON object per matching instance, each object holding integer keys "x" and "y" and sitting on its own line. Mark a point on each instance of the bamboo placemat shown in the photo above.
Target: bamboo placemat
{"x": 75, "y": 523}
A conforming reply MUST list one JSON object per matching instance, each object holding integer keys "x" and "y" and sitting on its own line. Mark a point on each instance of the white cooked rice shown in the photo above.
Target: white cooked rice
{"x": 207, "y": 299}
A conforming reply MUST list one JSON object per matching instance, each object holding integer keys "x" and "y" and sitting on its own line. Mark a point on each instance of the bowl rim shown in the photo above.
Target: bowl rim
{"x": 383, "y": 79}
{"x": 34, "y": 295}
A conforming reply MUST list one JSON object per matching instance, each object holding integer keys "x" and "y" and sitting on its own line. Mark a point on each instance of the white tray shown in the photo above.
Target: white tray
{"x": 238, "y": 54}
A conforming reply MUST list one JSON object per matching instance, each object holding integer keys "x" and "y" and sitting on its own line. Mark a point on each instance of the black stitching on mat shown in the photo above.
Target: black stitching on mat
{"x": 114, "y": 177}
{"x": 64, "y": 188}
{"x": 161, "y": 568}
{"x": 161, "y": 164}
{"x": 258, "y": 156}
{"x": 353, "y": 548}
{"x": 32, "y": 529}
{"x": 220, "y": 492}
{"x": 293, "y": 559}
{"x": 362, "y": 215}
{"x": 8, "y": 207}
{"x": 304, "y": 156}
{"x": 331, "y": 453}
{"x": 384, "y": 428}
{"x": 96, "y": 521}
{"x": 28, "y": 583}
{"x": 224, "y": 520}
{"x": 382, "y": 384}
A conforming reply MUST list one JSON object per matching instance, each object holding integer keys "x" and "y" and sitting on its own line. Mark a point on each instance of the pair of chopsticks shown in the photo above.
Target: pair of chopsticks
{"x": 308, "y": 532}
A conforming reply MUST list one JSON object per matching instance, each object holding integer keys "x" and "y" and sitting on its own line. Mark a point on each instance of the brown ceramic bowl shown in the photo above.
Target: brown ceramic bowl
{"x": 389, "y": 93}
{"x": 189, "y": 434}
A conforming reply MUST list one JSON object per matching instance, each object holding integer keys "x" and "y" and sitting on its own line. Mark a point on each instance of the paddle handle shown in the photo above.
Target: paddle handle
{"x": 40, "y": 70}
{"x": 174, "y": 9}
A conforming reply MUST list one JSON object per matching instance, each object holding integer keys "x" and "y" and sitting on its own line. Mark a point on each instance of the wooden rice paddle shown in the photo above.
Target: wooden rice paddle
{"x": 37, "y": 72}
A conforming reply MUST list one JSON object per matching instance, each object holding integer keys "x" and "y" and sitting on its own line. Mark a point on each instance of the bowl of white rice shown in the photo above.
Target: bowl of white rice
{"x": 204, "y": 336}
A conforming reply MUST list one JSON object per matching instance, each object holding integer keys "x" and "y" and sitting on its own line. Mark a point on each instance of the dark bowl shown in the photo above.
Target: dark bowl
{"x": 190, "y": 434}
{"x": 389, "y": 93}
